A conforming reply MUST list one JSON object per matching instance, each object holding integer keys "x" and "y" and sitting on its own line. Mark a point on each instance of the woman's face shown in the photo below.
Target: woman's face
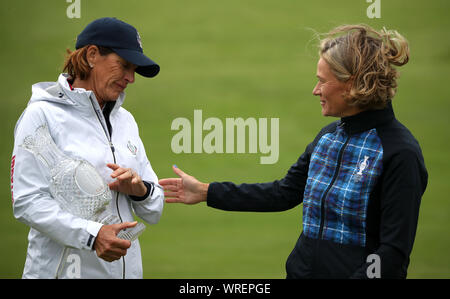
{"x": 110, "y": 75}
{"x": 331, "y": 92}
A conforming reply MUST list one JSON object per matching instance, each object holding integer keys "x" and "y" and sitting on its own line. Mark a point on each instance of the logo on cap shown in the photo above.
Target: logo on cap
{"x": 139, "y": 40}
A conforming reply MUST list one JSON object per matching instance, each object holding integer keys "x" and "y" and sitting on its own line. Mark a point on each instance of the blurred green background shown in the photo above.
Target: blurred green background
{"x": 234, "y": 58}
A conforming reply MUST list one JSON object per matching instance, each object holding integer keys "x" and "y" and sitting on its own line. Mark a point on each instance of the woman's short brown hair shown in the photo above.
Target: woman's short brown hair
{"x": 76, "y": 64}
{"x": 366, "y": 57}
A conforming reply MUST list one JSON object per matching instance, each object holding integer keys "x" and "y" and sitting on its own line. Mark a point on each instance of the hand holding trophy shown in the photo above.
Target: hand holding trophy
{"x": 75, "y": 184}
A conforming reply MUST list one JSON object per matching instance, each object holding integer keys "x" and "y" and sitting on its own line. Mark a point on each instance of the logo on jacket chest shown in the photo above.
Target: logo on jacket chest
{"x": 132, "y": 148}
{"x": 361, "y": 167}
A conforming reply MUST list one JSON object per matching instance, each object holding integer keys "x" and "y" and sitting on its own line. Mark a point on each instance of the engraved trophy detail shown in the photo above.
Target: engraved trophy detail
{"x": 75, "y": 184}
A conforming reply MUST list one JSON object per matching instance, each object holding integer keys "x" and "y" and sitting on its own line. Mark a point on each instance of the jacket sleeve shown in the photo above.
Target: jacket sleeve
{"x": 32, "y": 202}
{"x": 403, "y": 183}
{"x": 279, "y": 195}
{"x": 151, "y": 206}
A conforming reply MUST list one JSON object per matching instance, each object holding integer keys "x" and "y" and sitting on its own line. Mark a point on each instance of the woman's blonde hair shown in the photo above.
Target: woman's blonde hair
{"x": 365, "y": 56}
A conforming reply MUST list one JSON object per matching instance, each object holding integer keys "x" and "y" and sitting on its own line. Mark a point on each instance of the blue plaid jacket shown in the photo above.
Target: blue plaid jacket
{"x": 361, "y": 181}
{"x": 343, "y": 171}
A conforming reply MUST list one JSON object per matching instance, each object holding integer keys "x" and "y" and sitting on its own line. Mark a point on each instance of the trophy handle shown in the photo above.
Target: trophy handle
{"x": 131, "y": 233}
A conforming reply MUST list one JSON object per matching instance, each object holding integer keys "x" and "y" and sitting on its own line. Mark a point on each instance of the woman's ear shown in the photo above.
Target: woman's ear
{"x": 92, "y": 55}
{"x": 349, "y": 84}
{"x": 347, "y": 94}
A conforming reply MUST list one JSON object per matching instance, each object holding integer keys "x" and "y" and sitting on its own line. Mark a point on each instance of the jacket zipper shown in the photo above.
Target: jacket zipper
{"x": 111, "y": 145}
{"x": 336, "y": 172}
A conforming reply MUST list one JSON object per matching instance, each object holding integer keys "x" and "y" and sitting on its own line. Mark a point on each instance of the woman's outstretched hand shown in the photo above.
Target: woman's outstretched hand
{"x": 185, "y": 189}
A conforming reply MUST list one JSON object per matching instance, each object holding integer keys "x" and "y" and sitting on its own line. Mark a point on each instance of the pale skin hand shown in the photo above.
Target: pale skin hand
{"x": 107, "y": 246}
{"x": 127, "y": 181}
{"x": 186, "y": 189}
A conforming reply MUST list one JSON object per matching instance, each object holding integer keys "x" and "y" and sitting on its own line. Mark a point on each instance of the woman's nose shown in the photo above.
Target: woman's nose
{"x": 316, "y": 90}
{"x": 129, "y": 76}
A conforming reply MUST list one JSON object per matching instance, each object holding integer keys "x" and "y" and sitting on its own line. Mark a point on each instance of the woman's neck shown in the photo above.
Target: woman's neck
{"x": 87, "y": 85}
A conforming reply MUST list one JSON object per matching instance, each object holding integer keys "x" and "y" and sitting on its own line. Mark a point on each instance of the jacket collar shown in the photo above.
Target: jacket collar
{"x": 367, "y": 120}
{"x": 82, "y": 97}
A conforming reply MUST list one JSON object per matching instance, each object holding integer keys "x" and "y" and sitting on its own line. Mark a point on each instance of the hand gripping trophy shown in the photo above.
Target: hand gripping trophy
{"x": 75, "y": 184}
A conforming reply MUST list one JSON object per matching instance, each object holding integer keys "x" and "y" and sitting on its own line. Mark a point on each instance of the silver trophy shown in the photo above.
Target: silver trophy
{"x": 75, "y": 184}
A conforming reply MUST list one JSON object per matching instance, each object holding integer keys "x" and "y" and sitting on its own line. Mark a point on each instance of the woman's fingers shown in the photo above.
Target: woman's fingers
{"x": 170, "y": 184}
{"x": 178, "y": 171}
{"x": 173, "y": 200}
{"x": 170, "y": 181}
{"x": 170, "y": 194}
{"x": 123, "y": 175}
{"x": 121, "y": 172}
{"x": 127, "y": 181}
{"x": 171, "y": 187}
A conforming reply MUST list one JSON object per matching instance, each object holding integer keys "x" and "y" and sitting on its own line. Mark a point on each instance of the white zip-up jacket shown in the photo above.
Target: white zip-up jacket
{"x": 60, "y": 244}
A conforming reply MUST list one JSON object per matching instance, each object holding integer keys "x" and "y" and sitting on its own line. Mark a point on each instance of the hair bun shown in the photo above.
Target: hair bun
{"x": 395, "y": 47}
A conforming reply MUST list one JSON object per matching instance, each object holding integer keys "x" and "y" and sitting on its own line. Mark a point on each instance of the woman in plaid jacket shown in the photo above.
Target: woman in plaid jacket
{"x": 362, "y": 178}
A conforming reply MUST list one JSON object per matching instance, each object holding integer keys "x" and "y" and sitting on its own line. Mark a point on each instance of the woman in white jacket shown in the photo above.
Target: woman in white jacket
{"x": 83, "y": 113}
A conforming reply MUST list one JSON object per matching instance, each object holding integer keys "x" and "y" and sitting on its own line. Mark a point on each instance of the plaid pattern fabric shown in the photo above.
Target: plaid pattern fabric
{"x": 343, "y": 171}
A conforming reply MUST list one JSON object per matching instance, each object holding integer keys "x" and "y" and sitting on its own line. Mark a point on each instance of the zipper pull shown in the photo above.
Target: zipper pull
{"x": 111, "y": 145}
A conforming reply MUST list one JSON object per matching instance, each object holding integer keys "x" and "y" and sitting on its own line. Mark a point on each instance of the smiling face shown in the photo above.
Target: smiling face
{"x": 109, "y": 76}
{"x": 331, "y": 92}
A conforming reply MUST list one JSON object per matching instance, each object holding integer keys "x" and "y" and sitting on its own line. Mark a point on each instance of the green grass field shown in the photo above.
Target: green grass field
{"x": 246, "y": 58}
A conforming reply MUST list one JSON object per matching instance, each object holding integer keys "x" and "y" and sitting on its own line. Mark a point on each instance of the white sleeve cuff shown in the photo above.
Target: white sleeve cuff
{"x": 93, "y": 227}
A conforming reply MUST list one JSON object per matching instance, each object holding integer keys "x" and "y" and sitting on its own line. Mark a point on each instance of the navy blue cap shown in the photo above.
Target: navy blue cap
{"x": 120, "y": 37}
